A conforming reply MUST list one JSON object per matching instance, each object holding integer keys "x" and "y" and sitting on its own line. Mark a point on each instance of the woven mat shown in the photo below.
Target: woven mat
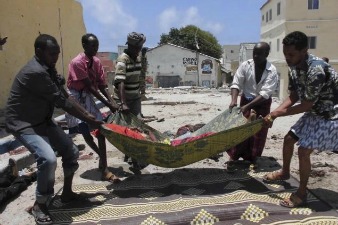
{"x": 191, "y": 196}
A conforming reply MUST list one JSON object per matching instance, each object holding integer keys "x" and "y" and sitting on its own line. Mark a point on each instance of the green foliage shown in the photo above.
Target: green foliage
{"x": 190, "y": 37}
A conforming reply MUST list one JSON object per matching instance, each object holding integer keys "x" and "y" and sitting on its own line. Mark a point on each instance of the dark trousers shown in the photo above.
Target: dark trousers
{"x": 252, "y": 147}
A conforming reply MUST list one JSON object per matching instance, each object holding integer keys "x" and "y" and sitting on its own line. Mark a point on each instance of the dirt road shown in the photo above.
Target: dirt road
{"x": 191, "y": 106}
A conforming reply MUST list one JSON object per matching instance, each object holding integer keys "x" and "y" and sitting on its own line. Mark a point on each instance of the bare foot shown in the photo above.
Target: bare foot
{"x": 276, "y": 176}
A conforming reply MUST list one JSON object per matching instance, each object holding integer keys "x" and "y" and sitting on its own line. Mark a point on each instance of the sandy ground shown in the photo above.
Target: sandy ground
{"x": 192, "y": 106}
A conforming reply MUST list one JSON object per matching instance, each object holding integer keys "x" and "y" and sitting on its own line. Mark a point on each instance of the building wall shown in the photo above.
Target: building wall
{"x": 321, "y": 23}
{"x": 121, "y": 48}
{"x": 108, "y": 60}
{"x": 172, "y": 61}
{"x": 22, "y": 21}
{"x": 230, "y": 52}
{"x": 276, "y": 20}
{"x": 230, "y": 59}
{"x": 245, "y": 51}
{"x": 298, "y": 10}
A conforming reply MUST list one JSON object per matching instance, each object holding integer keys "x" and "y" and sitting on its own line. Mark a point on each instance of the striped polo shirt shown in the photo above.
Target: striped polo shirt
{"x": 128, "y": 71}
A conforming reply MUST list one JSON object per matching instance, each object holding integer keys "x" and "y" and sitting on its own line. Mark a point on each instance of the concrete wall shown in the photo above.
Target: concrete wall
{"x": 169, "y": 60}
{"x": 23, "y": 20}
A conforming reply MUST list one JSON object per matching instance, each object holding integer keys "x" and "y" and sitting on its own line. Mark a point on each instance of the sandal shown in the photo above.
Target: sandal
{"x": 293, "y": 201}
{"x": 110, "y": 177}
{"x": 275, "y": 176}
{"x": 41, "y": 215}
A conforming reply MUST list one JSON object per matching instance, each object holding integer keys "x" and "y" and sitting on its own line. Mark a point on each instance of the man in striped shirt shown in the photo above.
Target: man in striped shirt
{"x": 127, "y": 78}
{"x": 127, "y": 75}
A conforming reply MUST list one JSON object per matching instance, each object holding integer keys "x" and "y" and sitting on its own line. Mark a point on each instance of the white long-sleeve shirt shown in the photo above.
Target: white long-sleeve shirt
{"x": 245, "y": 80}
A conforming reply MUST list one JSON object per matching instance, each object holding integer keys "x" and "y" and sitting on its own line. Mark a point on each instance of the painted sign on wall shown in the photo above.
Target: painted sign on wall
{"x": 206, "y": 66}
{"x": 189, "y": 61}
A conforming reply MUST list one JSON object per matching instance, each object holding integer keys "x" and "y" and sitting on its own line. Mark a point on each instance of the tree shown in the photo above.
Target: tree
{"x": 193, "y": 38}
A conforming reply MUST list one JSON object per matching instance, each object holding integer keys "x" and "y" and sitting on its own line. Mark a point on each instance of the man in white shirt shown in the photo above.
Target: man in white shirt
{"x": 257, "y": 80}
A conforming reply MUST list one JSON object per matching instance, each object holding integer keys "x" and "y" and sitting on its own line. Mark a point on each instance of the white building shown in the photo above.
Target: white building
{"x": 121, "y": 48}
{"x": 171, "y": 65}
{"x": 245, "y": 51}
{"x": 318, "y": 19}
{"x": 230, "y": 59}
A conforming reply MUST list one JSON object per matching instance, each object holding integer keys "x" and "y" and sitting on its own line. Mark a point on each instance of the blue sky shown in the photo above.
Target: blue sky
{"x": 230, "y": 21}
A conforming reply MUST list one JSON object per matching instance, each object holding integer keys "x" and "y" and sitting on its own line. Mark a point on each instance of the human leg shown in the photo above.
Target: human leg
{"x": 135, "y": 108}
{"x": 100, "y": 149}
{"x": 259, "y": 139}
{"x": 103, "y": 151}
{"x": 69, "y": 154}
{"x": 240, "y": 150}
{"x": 304, "y": 170}
{"x": 106, "y": 174}
{"x": 84, "y": 129}
{"x": 288, "y": 147}
{"x": 45, "y": 157}
{"x": 299, "y": 197}
{"x": 258, "y": 143}
{"x": 85, "y": 132}
{"x": 243, "y": 149}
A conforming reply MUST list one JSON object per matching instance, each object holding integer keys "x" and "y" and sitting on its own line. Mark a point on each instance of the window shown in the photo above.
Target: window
{"x": 262, "y": 17}
{"x": 313, "y": 4}
{"x": 312, "y": 42}
{"x": 231, "y": 51}
{"x": 270, "y": 16}
{"x": 267, "y": 17}
{"x": 277, "y": 45}
{"x": 270, "y": 44}
{"x": 278, "y": 8}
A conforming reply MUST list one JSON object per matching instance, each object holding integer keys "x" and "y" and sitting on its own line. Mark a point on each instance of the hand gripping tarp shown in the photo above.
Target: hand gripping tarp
{"x": 228, "y": 130}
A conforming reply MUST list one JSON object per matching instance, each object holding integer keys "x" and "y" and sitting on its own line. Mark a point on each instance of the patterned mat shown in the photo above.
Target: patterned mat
{"x": 191, "y": 196}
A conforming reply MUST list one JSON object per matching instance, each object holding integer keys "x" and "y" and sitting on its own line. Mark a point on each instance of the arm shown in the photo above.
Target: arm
{"x": 258, "y": 100}
{"x": 288, "y": 107}
{"x": 234, "y": 95}
{"x": 104, "y": 90}
{"x": 120, "y": 77}
{"x": 75, "y": 109}
{"x": 122, "y": 97}
{"x": 94, "y": 92}
{"x": 236, "y": 86}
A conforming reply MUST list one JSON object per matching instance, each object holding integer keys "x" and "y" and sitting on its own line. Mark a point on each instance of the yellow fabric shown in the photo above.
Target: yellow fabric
{"x": 164, "y": 155}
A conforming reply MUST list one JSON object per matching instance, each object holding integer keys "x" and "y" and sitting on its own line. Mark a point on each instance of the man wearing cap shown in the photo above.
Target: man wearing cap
{"x": 127, "y": 76}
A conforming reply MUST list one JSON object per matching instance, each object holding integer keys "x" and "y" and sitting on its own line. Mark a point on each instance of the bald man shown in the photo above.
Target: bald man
{"x": 257, "y": 80}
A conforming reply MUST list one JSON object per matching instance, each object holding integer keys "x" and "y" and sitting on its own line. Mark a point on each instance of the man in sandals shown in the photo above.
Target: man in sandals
{"x": 314, "y": 84}
{"x": 127, "y": 81}
{"x": 86, "y": 80}
{"x": 36, "y": 90}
